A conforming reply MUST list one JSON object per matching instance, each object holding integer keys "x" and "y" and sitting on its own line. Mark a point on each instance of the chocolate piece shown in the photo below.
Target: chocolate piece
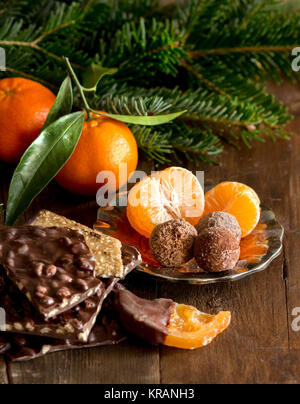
{"x": 220, "y": 219}
{"x": 131, "y": 258}
{"x": 24, "y": 347}
{"x": 53, "y": 267}
{"x": 106, "y": 249}
{"x": 171, "y": 243}
{"x": 216, "y": 249}
{"x": 74, "y": 324}
{"x": 147, "y": 319}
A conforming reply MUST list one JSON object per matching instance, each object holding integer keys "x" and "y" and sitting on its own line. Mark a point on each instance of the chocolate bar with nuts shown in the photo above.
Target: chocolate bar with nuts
{"x": 106, "y": 249}
{"x": 53, "y": 267}
{"x": 74, "y": 324}
{"x": 18, "y": 347}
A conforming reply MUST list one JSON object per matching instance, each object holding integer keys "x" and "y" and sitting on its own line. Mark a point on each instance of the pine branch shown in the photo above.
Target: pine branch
{"x": 155, "y": 144}
{"x": 246, "y": 42}
{"x": 152, "y": 45}
{"x": 42, "y": 39}
{"x": 169, "y": 143}
{"x": 132, "y": 105}
{"x": 204, "y": 56}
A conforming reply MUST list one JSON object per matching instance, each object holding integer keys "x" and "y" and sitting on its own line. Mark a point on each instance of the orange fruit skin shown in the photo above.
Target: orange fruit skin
{"x": 237, "y": 199}
{"x": 173, "y": 193}
{"x": 191, "y": 329}
{"x": 24, "y": 107}
{"x": 104, "y": 144}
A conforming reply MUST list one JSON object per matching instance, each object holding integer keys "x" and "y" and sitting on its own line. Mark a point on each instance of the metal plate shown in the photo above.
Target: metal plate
{"x": 257, "y": 250}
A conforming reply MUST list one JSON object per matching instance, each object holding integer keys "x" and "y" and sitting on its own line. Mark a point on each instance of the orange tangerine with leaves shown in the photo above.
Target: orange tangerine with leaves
{"x": 24, "y": 107}
{"x": 105, "y": 145}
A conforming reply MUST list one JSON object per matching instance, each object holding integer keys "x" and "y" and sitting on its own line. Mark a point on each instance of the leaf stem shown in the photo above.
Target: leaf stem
{"x": 80, "y": 88}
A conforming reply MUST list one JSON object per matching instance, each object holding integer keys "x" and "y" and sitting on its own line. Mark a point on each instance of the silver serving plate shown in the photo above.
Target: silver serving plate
{"x": 269, "y": 230}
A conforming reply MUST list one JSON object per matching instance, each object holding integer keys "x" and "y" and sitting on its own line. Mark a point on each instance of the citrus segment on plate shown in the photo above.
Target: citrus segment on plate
{"x": 237, "y": 199}
{"x": 191, "y": 329}
{"x": 174, "y": 193}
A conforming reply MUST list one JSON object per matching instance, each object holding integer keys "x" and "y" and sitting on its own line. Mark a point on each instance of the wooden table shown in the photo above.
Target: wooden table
{"x": 259, "y": 347}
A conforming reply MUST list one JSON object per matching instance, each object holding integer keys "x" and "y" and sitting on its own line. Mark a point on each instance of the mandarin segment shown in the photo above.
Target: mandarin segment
{"x": 191, "y": 329}
{"x": 238, "y": 200}
{"x": 174, "y": 193}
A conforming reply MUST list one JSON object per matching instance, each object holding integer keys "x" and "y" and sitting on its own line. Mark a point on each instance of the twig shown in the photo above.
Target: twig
{"x": 50, "y": 32}
{"x": 34, "y": 45}
{"x": 247, "y": 49}
{"x": 29, "y": 76}
{"x": 209, "y": 83}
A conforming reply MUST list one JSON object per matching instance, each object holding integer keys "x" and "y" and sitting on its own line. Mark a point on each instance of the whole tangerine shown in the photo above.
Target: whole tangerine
{"x": 105, "y": 145}
{"x": 24, "y": 107}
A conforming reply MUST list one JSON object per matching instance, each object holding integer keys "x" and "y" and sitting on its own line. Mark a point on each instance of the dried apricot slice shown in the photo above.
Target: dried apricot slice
{"x": 191, "y": 329}
{"x": 174, "y": 193}
{"x": 237, "y": 199}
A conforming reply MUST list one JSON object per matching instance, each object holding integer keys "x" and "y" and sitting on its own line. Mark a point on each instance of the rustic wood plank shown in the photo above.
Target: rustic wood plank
{"x": 260, "y": 326}
{"x": 244, "y": 365}
{"x": 291, "y": 96}
{"x": 126, "y": 363}
{"x": 3, "y": 372}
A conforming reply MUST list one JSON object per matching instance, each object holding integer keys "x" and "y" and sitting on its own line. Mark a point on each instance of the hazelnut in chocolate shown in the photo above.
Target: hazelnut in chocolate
{"x": 74, "y": 324}
{"x": 53, "y": 267}
{"x": 106, "y": 249}
{"x": 18, "y": 347}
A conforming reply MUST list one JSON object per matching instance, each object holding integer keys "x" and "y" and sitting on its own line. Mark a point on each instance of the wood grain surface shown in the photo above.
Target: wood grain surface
{"x": 259, "y": 347}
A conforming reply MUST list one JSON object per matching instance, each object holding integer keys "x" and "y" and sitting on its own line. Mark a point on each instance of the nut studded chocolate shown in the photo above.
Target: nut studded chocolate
{"x": 106, "y": 250}
{"x": 74, "y": 324}
{"x": 106, "y": 331}
{"x": 53, "y": 267}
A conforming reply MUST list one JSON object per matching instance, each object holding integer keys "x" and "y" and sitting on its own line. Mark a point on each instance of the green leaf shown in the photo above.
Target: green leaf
{"x": 93, "y": 75}
{"x": 153, "y": 120}
{"x": 63, "y": 104}
{"x": 41, "y": 162}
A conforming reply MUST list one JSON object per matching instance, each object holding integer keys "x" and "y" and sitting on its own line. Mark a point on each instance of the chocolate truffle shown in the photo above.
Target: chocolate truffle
{"x": 216, "y": 249}
{"x": 171, "y": 243}
{"x": 220, "y": 219}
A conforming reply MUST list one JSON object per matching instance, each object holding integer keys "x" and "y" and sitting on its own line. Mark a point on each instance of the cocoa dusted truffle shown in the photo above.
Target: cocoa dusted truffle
{"x": 216, "y": 249}
{"x": 220, "y": 219}
{"x": 171, "y": 243}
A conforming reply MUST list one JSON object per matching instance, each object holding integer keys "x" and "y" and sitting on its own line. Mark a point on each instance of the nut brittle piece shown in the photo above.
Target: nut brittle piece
{"x": 106, "y": 250}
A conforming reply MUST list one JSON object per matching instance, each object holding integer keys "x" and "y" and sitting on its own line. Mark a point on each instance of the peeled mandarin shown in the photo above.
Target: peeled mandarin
{"x": 237, "y": 199}
{"x": 174, "y": 193}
